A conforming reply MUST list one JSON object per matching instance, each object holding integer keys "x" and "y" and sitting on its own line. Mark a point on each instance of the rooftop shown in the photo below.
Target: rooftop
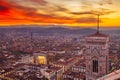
{"x": 98, "y": 35}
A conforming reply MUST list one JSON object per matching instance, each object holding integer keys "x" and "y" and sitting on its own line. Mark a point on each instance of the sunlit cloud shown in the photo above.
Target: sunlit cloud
{"x": 61, "y": 12}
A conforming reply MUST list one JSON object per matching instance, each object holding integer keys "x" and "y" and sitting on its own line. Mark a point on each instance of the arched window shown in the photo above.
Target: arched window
{"x": 95, "y": 66}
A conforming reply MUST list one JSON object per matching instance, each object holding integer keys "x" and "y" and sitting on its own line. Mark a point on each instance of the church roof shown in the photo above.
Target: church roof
{"x": 98, "y": 35}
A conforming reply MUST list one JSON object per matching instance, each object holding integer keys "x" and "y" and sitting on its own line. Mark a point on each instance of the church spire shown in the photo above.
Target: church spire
{"x": 98, "y": 25}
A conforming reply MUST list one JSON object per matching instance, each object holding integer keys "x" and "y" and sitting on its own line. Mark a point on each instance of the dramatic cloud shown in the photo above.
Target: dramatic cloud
{"x": 2, "y": 8}
{"x": 94, "y": 12}
{"x": 67, "y": 12}
{"x": 87, "y": 20}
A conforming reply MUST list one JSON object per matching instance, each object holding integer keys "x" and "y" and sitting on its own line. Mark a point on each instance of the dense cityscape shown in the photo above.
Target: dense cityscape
{"x": 30, "y": 56}
{"x": 59, "y": 39}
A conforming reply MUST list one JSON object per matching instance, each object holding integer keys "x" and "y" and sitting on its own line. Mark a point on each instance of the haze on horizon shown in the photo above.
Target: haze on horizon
{"x": 60, "y": 12}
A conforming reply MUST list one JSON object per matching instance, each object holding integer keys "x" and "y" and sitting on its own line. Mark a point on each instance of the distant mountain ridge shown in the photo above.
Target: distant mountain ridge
{"x": 56, "y": 30}
{"x": 50, "y": 31}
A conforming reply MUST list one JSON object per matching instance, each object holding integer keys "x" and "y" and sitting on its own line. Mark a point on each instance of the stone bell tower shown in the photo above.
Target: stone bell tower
{"x": 96, "y": 54}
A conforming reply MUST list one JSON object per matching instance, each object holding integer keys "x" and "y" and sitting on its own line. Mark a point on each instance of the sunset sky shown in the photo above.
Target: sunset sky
{"x": 60, "y": 12}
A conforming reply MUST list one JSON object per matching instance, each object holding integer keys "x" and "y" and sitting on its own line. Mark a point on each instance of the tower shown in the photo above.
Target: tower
{"x": 96, "y": 54}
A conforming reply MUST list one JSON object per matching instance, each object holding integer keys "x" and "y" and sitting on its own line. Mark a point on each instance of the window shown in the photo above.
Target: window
{"x": 95, "y": 66}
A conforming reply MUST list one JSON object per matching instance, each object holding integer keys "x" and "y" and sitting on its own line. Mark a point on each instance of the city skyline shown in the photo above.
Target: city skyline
{"x": 59, "y": 12}
{"x": 59, "y": 40}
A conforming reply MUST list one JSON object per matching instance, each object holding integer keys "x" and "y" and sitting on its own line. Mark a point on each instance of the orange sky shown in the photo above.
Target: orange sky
{"x": 60, "y": 12}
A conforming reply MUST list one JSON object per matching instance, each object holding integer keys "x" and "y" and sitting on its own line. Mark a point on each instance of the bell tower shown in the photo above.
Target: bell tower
{"x": 96, "y": 54}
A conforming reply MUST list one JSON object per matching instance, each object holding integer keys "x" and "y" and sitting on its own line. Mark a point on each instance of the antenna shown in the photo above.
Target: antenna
{"x": 98, "y": 25}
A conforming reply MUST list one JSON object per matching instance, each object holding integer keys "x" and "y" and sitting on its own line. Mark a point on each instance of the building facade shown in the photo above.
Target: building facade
{"x": 96, "y": 55}
{"x": 40, "y": 58}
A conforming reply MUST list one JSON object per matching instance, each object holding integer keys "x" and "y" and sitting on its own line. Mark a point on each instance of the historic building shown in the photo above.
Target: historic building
{"x": 96, "y": 55}
{"x": 40, "y": 58}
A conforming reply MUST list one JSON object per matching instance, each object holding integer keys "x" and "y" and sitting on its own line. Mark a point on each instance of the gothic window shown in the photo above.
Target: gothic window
{"x": 95, "y": 66}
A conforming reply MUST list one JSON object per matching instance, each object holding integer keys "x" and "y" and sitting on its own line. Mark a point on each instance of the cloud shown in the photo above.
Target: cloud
{"x": 81, "y": 13}
{"x": 60, "y": 8}
{"x": 100, "y": 11}
{"x": 87, "y": 20}
{"x": 103, "y": 2}
{"x": 2, "y": 8}
{"x": 52, "y": 11}
{"x": 40, "y": 2}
